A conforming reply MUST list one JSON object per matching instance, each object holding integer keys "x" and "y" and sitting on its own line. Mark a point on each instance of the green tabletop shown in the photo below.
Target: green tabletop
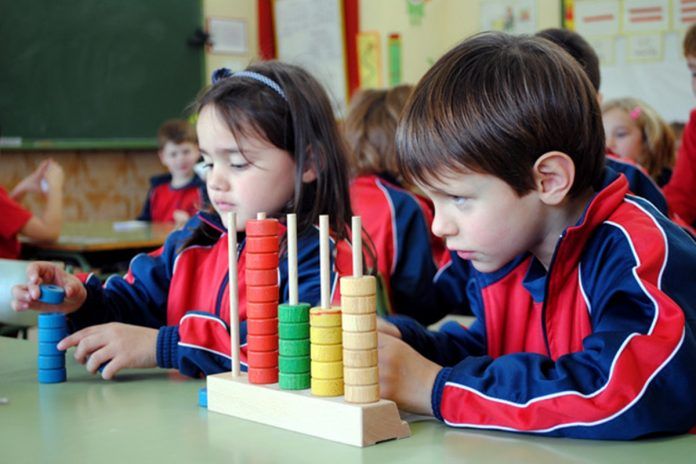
{"x": 152, "y": 416}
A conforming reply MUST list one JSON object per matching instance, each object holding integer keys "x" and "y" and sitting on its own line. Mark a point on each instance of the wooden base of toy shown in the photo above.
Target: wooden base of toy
{"x": 299, "y": 411}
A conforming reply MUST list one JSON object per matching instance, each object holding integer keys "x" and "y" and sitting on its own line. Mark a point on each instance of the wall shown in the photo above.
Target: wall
{"x": 112, "y": 184}
{"x": 453, "y": 20}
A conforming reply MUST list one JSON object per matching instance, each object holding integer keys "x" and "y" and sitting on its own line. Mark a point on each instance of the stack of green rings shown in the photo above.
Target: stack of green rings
{"x": 293, "y": 346}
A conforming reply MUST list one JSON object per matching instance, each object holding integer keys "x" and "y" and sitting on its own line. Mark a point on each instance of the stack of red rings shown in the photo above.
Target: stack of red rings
{"x": 262, "y": 300}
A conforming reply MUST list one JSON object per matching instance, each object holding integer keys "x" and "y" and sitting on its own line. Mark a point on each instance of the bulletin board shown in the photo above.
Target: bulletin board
{"x": 309, "y": 33}
{"x": 96, "y": 73}
{"x": 639, "y": 43}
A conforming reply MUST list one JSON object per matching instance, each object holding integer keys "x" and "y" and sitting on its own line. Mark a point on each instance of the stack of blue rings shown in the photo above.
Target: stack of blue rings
{"x": 53, "y": 328}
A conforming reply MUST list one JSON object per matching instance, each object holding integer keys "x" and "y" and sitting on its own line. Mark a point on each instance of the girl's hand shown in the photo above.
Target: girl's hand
{"x": 26, "y": 296}
{"x": 405, "y": 376}
{"x": 180, "y": 218}
{"x": 54, "y": 176}
{"x": 118, "y": 345}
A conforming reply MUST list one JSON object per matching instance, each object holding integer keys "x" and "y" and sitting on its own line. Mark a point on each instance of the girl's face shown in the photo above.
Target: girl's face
{"x": 624, "y": 137}
{"x": 260, "y": 180}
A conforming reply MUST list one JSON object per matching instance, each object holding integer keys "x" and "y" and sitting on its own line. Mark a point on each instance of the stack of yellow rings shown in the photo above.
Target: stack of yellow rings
{"x": 325, "y": 351}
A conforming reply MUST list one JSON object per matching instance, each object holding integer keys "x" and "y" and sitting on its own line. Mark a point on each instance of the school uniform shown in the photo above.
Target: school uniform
{"x": 599, "y": 346}
{"x": 184, "y": 292}
{"x": 14, "y": 218}
{"x": 398, "y": 223}
{"x": 163, "y": 199}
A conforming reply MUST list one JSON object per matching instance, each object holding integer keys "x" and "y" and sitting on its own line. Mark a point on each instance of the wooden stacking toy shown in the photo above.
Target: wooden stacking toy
{"x": 317, "y": 354}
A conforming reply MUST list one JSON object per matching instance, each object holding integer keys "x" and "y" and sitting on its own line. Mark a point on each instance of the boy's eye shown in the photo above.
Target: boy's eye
{"x": 459, "y": 201}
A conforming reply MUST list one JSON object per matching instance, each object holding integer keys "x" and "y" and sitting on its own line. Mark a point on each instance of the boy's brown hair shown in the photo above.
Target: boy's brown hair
{"x": 176, "y": 131}
{"x": 370, "y": 130}
{"x": 690, "y": 41}
{"x": 579, "y": 48}
{"x": 494, "y": 104}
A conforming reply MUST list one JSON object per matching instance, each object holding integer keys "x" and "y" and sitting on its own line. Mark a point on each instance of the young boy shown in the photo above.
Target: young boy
{"x": 585, "y": 316}
{"x": 176, "y": 196}
{"x": 681, "y": 189}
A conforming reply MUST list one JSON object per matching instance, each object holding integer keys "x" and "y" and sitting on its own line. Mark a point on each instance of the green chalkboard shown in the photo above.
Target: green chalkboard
{"x": 96, "y": 73}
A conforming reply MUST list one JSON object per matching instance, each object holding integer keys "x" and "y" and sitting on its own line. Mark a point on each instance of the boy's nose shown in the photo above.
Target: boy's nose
{"x": 442, "y": 226}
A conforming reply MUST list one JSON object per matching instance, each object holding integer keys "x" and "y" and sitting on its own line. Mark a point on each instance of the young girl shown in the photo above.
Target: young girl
{"x": 270, "y": 144}
{"x": 396, "y": 220}
{"x": 635, "y": 131}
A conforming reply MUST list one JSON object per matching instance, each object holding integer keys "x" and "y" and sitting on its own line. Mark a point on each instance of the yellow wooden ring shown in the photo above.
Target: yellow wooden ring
{"x": 327, "y": 370}
{"x": 326, "y": 352}
{"x": 325, "y": 335}
{"x": 327, "y": 387}
{"x": 322, "y": 317}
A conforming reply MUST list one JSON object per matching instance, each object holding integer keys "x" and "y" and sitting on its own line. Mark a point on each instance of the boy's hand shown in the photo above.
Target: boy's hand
{"x": 405, "y": 377}
{"x": 388, "y": 328}
{"x": 119, "y": 345}
{"x": 25, "y": 296}
{"x": 31, "y": 183}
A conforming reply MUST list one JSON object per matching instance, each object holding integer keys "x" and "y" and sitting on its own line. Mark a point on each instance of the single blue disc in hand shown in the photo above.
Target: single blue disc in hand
{"x": 51, "y": 294}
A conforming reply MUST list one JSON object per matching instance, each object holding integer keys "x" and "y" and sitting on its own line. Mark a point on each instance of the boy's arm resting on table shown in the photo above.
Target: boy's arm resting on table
{"x": 632, "y": 377}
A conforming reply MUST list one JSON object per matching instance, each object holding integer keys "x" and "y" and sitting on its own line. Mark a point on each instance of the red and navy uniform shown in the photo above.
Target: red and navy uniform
{"x": 184, "y": 293}
{"x": 162, "y": 199}
{"x": 14, "y": 218}
{"x": 681, "y": 188}
{"x": 599, "y": 346}
{"x": 398, "y": 224}
{"x": 639, "y": 182}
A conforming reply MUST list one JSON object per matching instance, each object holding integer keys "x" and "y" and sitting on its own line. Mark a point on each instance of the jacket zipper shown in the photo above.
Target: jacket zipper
{"x": 546, "y": 292}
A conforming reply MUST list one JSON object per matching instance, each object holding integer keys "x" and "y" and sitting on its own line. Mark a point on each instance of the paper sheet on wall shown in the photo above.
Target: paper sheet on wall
{"x": 369, "y": 60}
{"x": 640, "y": 16}
{"x": 683, "y": 14}
{"x": 513, "y": 16}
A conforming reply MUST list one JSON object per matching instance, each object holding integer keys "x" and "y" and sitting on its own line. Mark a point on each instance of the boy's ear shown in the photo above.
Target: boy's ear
{"x": 554, "y": 173}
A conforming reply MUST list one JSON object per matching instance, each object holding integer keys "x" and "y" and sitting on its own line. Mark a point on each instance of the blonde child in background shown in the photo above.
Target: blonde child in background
{"x": 396, "y": 220}
{"x": 176, "y": 196}
{"x": 270, "y": 144}
{"x": 47, "y": 179}
{"x": 634, "y": 130}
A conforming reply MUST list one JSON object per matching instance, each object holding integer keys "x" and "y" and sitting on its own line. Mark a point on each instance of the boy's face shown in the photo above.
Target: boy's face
{"x": 624, "y": 137}
{"x": 179, "y": 158}
{"x": 483, "y": 219}
{"x": 691, "y": 63}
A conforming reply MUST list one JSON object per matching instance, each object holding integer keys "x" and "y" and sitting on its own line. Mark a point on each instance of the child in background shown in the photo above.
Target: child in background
{"x": 270, "y": 144}
{"x": 396, "y": 220}
{"x": 639, "y": 182}
{"x": 635, "y": 131}
{"x": 681, "y": 189}
{"x": 585, "y": 316}
{"x": 176, "y": 196}
{"x": 47, "y": 178}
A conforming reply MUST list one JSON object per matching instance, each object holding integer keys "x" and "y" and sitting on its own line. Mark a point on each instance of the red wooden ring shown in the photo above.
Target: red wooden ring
{"x": 262, "y": 227}
{"x": 262, "y": 343}
{"x": 262, "y": 359}
{"x": 261, "y": 310}
{"x": 262, "y": 244}
{"x": 262, "y": 376}
{"x": 264, "y": 294}
{"x": 259, "y": 277}
{"x": 258, "y": 261}
{"x": 262, "y": 326}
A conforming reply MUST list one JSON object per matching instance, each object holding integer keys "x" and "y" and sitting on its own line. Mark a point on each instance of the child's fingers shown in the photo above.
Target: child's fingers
{"x": 97, "y": 359}
{"x": 85, "y": 342}
{"x": 112, "y": 368}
